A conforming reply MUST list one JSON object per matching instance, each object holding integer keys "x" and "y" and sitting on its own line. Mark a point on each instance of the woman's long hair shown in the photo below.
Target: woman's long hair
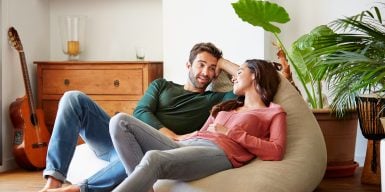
{"x": 266, "y": 84}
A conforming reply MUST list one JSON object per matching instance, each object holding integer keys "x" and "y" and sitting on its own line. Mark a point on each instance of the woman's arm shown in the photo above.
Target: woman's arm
{"x": 208, "y": 122}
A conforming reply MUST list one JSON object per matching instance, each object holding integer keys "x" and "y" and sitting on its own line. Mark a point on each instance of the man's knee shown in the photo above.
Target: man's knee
{"x": 73, "y": 96}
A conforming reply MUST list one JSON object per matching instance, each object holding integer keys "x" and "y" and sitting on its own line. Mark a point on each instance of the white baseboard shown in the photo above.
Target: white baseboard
{"x": 360, "y": 160}
{"x": 8, "y": 164}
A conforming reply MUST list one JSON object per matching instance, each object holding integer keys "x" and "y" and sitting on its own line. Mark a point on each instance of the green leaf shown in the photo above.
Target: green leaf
{"x": 261, "y": 13}
{"x": 305, "y": 56}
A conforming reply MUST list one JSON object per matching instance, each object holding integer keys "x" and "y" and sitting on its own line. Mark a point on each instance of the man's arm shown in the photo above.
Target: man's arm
{"x": 170, "y": 134}
{"x": 147, "y": 107}
{"x": 228, "y": 66}
{"x": 167, "y": 132}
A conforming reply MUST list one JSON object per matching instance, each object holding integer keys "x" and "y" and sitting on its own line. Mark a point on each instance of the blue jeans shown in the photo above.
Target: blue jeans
{"x": 148, "y": 155}
{"x": 79, "y": 115}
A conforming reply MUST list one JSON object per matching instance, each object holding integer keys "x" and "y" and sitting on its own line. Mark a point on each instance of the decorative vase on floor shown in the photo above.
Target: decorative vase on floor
{"x": 370, "y": 110}
{"x": 340, "y": 138}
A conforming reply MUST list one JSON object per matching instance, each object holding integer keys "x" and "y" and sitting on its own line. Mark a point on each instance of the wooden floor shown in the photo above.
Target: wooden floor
{"x": 345, "y": 184}
{"x": 24, "y": 181}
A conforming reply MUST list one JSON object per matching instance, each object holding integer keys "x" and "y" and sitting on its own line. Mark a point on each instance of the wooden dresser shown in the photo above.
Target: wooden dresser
{"x": 114, "y": 85}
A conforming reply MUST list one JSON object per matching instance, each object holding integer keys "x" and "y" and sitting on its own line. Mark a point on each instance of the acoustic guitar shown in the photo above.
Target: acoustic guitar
{"x": 31, "y": 136}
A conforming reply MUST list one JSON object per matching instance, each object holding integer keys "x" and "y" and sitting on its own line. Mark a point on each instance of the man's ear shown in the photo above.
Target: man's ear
{"x": 188, "y": 64}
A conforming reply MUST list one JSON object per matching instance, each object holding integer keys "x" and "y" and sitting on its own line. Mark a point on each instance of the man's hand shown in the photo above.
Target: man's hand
{"x": 226, "y": 65}
{"x": 182, "y": 137}
{"x": 218, "y": 128}
{"x": 170, "y": 134}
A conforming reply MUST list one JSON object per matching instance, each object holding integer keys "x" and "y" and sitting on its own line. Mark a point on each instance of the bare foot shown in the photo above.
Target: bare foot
{"x": 52, "y": 183}
{"x": 69, "y": 188}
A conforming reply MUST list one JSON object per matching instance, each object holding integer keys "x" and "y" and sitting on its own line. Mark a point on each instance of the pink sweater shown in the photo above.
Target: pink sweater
{"x": 256, "y": 133}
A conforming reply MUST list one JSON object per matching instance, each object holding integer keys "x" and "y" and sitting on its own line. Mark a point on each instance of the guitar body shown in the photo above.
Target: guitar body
{"x": 30, "y": 138}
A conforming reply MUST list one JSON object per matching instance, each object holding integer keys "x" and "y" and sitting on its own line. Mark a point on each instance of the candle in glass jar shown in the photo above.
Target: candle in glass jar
{"x": 72, "y": 47}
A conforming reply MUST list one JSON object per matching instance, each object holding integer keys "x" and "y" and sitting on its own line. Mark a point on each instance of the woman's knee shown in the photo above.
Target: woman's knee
{"x": 156, "y": 162}
{"x": 118, "y": 123}
{"x": 151, "y": 158}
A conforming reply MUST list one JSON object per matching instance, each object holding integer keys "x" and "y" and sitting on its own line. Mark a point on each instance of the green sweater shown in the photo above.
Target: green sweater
{"x": 167, "y": 104}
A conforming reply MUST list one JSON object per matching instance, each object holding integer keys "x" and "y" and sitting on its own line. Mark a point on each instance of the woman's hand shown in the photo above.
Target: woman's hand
{"x": 218, "y": 128}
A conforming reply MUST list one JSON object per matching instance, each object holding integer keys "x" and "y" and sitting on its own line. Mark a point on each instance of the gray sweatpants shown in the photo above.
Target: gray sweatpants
{"x": 148, "y": 155}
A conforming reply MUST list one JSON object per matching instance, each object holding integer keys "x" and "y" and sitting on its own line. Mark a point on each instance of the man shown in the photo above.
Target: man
{"x": 175, "y": 110}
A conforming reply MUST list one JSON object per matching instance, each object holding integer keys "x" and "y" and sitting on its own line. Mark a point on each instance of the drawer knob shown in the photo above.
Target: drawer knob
{"x": 66, "y": 82}
{"x": 116, "y": 83}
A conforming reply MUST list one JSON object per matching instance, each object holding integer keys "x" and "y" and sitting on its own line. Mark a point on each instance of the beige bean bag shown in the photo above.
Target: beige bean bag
{"x": 301, "y": 170}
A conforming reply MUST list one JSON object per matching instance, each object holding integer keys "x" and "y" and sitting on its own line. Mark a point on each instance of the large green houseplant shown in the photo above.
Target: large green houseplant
{"x": 350, "y": 58}
{"x": 353, "y": 63}
{"x": 262, "y": 14}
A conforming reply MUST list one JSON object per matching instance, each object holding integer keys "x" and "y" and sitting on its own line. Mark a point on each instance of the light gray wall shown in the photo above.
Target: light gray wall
{"x": 188, "y": 22}
{"x": 1, "y": 77}
{"x": 30, "y": 18}
{"x": 113, "y": 28}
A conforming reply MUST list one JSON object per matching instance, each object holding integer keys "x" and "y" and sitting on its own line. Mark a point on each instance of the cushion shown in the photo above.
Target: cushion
{"x": 84, "y": 164}
{"x": 222, "y": 83}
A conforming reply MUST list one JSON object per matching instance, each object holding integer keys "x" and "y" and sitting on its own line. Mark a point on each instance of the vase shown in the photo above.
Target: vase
{"x": 72, "y": 33}
{"x": 370, "y": 113}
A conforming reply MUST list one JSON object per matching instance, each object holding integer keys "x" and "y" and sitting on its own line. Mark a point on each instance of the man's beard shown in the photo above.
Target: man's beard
{"x": 195, "y": 83}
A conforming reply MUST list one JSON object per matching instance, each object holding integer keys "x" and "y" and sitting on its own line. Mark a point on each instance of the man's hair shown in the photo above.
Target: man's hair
{"x": 204, "y": 47}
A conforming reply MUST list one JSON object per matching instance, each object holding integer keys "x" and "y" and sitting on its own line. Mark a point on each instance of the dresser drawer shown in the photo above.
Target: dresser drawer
{"x": 93, "y": 81}
{"x": 113, "y": 107}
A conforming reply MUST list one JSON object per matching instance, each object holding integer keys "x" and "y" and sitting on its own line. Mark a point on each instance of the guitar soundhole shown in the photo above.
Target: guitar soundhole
{"x": 18, "y": 137}
{"x": 39, "y": 145}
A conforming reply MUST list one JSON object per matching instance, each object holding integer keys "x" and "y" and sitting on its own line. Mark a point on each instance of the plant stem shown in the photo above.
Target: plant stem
{"x": 320, "y": 96}
{"x": 299, "y": 74}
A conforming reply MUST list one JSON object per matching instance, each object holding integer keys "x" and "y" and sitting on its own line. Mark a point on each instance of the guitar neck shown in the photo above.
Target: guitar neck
{"x": 27, "y": 82}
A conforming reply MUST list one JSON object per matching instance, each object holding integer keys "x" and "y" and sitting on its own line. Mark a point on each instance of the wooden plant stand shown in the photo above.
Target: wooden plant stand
{"x": 370, "y": 176}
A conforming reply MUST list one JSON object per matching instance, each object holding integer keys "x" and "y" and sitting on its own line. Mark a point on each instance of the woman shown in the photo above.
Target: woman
{"x": 236, "y": 132}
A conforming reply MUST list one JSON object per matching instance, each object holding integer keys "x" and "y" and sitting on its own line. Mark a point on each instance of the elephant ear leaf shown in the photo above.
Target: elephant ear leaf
{"x": 261, "y": 13}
